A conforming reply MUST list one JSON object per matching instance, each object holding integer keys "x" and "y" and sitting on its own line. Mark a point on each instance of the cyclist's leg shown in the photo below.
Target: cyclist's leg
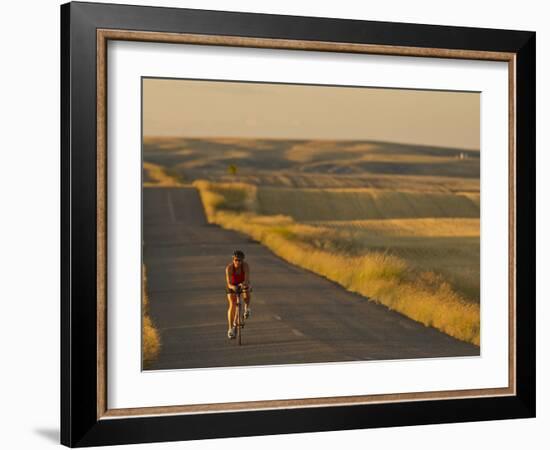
{"x": 246, "y": 298}
{"x": 232, "y": 300}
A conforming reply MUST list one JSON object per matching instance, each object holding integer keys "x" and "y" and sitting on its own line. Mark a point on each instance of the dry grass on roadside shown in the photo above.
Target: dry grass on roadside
{"x": 150, "y": 335}
{"x": 448, "y": 247}
{"x": 155, "y": 175}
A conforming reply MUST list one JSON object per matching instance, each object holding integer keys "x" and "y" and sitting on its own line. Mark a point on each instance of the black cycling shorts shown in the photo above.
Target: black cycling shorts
{"x": 231, "y": 291}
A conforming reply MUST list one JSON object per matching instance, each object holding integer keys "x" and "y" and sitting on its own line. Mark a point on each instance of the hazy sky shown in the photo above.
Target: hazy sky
{"x": 189, "y": 108}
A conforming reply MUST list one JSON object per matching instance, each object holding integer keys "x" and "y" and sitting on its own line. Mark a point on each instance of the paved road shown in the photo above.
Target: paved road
{"x": 297, "y": 316}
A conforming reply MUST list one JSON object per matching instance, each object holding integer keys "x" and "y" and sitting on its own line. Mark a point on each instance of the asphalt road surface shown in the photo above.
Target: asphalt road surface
{"x": 296, "y": 315}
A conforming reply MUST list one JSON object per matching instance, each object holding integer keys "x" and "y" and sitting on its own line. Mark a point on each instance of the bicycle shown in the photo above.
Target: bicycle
{"x": 238, "y": 322}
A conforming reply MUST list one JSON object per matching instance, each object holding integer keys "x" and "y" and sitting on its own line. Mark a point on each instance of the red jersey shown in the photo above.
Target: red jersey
{"x": 237, "y": 278}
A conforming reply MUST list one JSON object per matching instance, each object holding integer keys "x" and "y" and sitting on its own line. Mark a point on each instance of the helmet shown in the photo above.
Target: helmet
{"x": 238, "y": 254}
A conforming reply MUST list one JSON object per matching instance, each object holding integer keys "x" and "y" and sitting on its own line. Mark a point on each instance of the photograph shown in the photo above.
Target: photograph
{"x": 287, "y": 223}
{"x": 336, "y": 215}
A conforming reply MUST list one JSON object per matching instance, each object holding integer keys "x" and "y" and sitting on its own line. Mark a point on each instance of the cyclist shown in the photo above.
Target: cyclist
{"x": 237, "y": 273}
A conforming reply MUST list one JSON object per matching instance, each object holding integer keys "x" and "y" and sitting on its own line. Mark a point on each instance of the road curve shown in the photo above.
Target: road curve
{"x": 297, "y": 316}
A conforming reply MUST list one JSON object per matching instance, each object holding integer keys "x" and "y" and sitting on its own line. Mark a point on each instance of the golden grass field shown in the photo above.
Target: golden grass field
{"x": 150, "y": 335}
{"x": 397, "y": 224}
{"x": 157, "y": 176}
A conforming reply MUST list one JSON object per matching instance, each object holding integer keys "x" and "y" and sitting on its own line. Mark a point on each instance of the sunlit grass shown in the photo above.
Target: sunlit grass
{"x": 155, "y": 175}
{"x": 447, "y": 246}
{"x": 150, "y": 335}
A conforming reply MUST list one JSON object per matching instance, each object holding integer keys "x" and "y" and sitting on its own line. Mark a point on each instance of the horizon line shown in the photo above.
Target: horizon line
{"x": 267, "y": 138}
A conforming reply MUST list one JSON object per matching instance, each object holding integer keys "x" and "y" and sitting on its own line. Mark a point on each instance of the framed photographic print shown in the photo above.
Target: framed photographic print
{"x": 278, "y": 224}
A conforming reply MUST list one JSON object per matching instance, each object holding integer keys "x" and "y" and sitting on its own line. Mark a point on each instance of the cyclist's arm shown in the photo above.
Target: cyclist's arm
{"x": 247, "y": 275}
{"x": 227, "y": 278}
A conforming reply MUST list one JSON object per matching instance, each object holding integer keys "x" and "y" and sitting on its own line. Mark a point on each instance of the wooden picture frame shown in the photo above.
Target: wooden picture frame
{"x": 86, "y": 418}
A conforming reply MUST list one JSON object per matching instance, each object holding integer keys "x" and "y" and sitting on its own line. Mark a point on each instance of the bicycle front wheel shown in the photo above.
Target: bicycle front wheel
{"x": 239, "y": 321}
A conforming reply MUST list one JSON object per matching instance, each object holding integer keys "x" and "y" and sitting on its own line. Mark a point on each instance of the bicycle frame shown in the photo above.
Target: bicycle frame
{"x": 238, "y": 321}
{"x": 239, "y": 318}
